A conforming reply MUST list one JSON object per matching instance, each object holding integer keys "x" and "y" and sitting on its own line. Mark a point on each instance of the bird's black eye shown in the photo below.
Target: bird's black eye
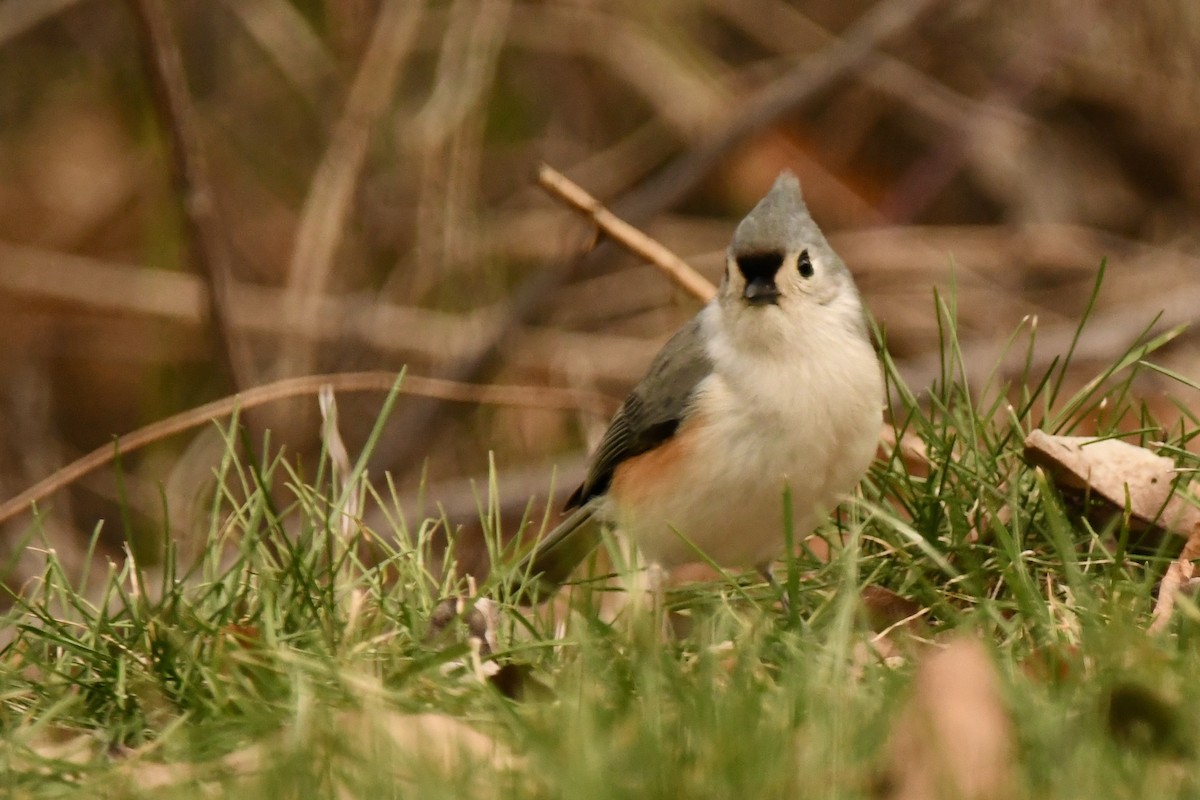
{"x": 804, "y": 264}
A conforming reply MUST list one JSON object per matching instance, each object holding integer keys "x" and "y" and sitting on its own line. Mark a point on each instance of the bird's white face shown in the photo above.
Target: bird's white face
{"x": 768, "y": 299}
{"x": 782, "y": 279}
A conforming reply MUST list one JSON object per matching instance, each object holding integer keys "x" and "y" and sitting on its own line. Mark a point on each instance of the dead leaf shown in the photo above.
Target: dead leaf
{"x": 1117, "y": 472}
{"x": 954, "y": 739}
{"x": 148, "y": 775}
{"x": 57, "y": 745}
{"x": 884, "y": 609}
{"x": 1179, "y": 575}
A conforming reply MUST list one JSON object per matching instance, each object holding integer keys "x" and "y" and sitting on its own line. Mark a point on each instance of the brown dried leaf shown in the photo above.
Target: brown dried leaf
{"x": 1179, "y": 575}
{"x": 58, "y": 745}
{"x": 884, "y": 609}
{"x": 1117, "y": 472}
{"x": 954, "y": 739}
{"x": 149, "y": 775}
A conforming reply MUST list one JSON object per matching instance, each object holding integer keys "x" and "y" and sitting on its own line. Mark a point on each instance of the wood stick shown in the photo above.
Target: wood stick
{"x": 522, "y": 396}
{"x": 624, "y": 234}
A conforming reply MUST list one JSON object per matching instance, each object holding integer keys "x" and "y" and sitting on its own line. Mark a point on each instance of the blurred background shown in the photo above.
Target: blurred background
{"x": 201, "y": 196}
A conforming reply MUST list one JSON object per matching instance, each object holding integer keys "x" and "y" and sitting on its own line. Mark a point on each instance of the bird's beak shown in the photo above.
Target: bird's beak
{"x": 761, "y": 291}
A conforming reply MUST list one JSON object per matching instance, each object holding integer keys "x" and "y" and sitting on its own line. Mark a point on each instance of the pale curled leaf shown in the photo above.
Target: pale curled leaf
{"x": 1179, "y": 575}
{"x": 1117, "y": 472}
{"x": 953, "y": 739}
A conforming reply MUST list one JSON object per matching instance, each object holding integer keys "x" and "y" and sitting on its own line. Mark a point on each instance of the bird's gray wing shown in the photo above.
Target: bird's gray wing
{"x": 648, "y": 418}
{"x": 652, "y": 411}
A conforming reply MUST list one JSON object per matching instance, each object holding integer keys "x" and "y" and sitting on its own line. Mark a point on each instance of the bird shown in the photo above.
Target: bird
{"x": 774, "y": 384}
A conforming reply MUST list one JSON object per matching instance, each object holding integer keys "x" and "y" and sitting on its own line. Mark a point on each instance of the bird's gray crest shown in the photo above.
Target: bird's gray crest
{"x": 780, "y": 221}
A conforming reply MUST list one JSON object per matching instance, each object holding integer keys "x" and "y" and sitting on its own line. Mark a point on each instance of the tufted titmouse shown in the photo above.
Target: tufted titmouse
{"x": 775, "y": 382}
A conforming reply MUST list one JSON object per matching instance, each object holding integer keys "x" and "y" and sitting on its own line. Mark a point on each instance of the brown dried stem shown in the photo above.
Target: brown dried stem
{"x": 522, "y": 396}
{"x": 624, "y": 234}
{"x": 1179, "y": 578}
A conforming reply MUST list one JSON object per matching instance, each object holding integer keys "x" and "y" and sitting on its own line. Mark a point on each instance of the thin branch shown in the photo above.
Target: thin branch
{"x": 1149, "y": 280}
{"x": 520, "y": 396}
{"x": 624, "y": 234}
{"x": 681, "y": 89}
{"x": 189, "y": 166}
{"x": 693, "y": 97}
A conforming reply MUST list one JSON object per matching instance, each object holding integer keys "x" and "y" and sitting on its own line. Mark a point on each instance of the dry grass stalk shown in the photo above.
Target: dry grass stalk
{"x": 148, "y": 295}
{"x": 954, "y": 740}
{"x": 534, "y": 397}
{"x": 624, "y": 234}
{"x": 283, "y": 32}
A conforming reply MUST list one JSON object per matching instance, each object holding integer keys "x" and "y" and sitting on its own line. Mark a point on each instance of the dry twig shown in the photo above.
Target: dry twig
{"x": 131, "y": 296}
{"x": 286, "y": 36}
{"x": 930, "y": 176}
{"x": 524, "y": 396}
{"x": 624, "y": 234}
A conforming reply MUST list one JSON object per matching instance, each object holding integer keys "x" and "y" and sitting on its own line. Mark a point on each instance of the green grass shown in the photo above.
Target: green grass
{"x": 269, "y": 667}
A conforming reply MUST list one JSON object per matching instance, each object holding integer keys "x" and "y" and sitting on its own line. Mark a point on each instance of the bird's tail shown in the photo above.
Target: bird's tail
{"x": 555, "y": 557}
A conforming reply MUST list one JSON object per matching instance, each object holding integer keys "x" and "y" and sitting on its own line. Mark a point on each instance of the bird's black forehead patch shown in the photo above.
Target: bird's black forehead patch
{"x": 759, "y": 265}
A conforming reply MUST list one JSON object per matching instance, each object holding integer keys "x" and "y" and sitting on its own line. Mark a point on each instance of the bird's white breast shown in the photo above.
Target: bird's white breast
{"x": 803, "y": 411}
